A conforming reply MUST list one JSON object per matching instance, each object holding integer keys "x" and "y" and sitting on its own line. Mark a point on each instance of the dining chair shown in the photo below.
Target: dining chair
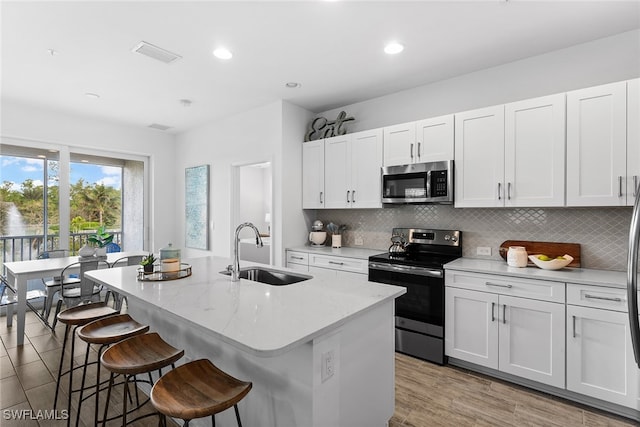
{"x": 85, "y": 291}
{"x": 9, "y": 297}
{"x": 52, "y": 284}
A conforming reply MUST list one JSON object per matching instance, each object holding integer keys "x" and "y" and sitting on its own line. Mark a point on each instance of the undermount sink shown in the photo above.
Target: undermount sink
{"x": 269, "y": 276}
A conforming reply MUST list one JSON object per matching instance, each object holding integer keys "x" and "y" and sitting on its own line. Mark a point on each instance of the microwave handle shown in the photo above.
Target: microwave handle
{"x": 428, "y": 183}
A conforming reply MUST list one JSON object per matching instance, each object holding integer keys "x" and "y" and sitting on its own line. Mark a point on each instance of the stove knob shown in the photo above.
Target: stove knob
{"x": 447, "y": 237}
{"x": 454, "y": 239}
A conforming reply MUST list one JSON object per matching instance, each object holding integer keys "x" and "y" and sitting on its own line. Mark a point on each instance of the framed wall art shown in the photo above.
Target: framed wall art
{"x": 196, "y": 207}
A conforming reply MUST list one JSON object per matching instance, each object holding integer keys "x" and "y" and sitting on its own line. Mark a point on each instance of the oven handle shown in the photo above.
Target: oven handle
{"x": 409, "y": 269}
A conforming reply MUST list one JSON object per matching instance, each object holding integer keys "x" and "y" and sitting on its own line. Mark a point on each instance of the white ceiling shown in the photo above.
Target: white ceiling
{"x": 334, "y": 49}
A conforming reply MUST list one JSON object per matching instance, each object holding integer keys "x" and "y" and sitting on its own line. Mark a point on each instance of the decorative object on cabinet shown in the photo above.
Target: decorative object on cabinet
{"x": 196, "y": 209}
{"x": 100, "y": 239}
{"x": 547, "y": 263}
{"x": 336, "y": 234}
{"x": 320, "y": 127}
{"x": 551, "y": 249}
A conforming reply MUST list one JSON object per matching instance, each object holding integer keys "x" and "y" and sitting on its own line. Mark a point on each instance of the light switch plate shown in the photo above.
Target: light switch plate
{"x": 483, "y": 251}
{"x": 359, "y": 241}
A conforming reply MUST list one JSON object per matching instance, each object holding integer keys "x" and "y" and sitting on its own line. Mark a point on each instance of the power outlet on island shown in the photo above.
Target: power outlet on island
{"x": 359, "y": 241}
{"x": 328, "y": 365}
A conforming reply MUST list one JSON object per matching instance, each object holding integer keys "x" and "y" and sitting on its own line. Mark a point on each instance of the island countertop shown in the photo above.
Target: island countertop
{"x": 261, "y": 319}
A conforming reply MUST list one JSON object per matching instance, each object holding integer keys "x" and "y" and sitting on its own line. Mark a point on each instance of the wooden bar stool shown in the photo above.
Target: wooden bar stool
{"x": 104, "y": 332}
{"x": 141, "y": 354}
{"x": 197, "y": 389}
{"x": 75, "y": 317}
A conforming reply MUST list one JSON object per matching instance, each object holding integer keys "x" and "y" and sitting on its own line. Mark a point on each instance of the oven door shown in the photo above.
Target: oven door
{"x": 421, "y": 309}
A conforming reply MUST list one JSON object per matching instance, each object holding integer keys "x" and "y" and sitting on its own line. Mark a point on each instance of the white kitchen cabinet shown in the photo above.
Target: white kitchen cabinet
{"x": 511, "y": 155}
{"x": 633, "y": 140}
{"x": 479, "y": 157}
{"x": 313, "y": 174}
{"x": 352, "y": 170}
{"x": 471, "y": 333}
{"x": 502, "y": 330}
{"x": 596, "y": 145}
{"x": 428, "y": 140}
{"x": 534, "y": 152}
{"x": 600, "y": 360}
{"x": 298, "y": 260}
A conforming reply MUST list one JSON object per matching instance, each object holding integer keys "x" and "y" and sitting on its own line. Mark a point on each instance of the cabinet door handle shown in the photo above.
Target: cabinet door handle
{"x": 418, "y": 151}
{"x": 499, "y": 190}
{"x": 509, "y": 190}
{"x": 603, "y": 298}
{"x": 574, "y": 326}
{"x": 619, "y": 186}
{"x": 504, "y": 314}
{"x": 493, "y": 316}
{"x": 411, "y": 151}
{"x": 498, "y": 285}
{"x": 353, "y": 196}
{"x": 321, "y": 197}
{"x": 348, "y": 194}
{"x": 296, "y": 257}
{"x": 336, "y": 263}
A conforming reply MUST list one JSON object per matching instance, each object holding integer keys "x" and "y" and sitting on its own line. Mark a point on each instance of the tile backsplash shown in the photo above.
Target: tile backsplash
{"x": 601, "y": 232}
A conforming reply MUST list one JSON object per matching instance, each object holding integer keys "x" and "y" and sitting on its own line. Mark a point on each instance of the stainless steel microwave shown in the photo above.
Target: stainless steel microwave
{"x": 419, "y": 183}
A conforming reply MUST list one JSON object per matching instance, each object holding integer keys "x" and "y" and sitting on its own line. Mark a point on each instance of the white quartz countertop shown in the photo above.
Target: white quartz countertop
{"x": 359, "y": 253}
{"x": 585, "y": 276}
{"x": 261, "y": 319}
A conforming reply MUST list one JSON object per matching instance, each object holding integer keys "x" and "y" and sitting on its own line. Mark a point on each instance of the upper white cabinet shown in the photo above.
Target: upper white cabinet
{"x": 633, "y": 139}
{"x": 428, "y": 140}
{"x": 596, "y": 146}
{"x": 534, "y": 152}
{"x": 313, "y": 174}
{"x": 511, "y": 155}
{"x": 479, "y": 157}
{"x": 343, "y": 171}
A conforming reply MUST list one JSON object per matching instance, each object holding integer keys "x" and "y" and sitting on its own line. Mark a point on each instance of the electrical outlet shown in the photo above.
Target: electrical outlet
{"x": 328, "y": 365}
{"x": 359, "y": 241}
{"x": 483, "y": 250}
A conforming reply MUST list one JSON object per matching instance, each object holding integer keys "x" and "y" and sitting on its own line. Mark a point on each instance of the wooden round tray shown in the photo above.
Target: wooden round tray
{"x": 161, "y": 276}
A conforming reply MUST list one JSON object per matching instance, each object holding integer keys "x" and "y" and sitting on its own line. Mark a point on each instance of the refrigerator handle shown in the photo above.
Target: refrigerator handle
{"x": 632, "y": 279}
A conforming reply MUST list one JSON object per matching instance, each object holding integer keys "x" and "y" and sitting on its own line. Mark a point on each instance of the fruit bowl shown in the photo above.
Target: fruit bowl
{"x": 552, "y": 263}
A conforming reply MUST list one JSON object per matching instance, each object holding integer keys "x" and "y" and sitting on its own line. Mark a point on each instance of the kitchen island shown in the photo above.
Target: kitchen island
{"x": 319, "y": 352}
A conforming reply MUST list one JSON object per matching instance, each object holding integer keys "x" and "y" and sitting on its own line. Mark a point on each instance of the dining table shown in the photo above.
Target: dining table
{"x": 20, "y": 272}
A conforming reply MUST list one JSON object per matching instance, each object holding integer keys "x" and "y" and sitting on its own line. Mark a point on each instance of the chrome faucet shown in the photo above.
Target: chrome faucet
{"x": 235, "y": 267}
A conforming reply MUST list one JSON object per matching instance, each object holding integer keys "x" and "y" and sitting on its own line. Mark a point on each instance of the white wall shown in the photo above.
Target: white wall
{"x": 249, "y": 137}
{"x": 39, "y": 124}
{"x": 605, "y": 60}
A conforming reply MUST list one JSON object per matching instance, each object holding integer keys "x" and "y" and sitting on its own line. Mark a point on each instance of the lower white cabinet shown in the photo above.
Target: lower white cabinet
{"x": 298, "y": 260}
{"x": 516, "y": 335}
{"x": 328, "y": 266}
{"x": 600, "y": 361}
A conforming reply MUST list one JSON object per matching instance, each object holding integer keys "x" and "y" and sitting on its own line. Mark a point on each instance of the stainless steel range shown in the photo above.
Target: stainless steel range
{"x": 415, "y": 261}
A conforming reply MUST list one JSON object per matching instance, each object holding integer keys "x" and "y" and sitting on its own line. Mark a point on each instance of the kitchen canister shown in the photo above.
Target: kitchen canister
{"x": 169, "y": 259}
{"x": 517, "y": 256}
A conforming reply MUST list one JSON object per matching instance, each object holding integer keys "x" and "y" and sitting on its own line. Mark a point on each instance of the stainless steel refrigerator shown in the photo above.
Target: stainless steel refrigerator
{"x": 632, "y": 278}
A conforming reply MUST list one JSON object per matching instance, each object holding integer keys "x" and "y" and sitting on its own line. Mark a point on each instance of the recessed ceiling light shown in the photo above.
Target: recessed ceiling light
{"x": 292, "y": 85}
{"x": 52, "y": 52}
{"x": 393, "y": 48}
{"x": 222, "y": 53}
{"x": 185, "y": 102}
{"x": 92, "y": 95}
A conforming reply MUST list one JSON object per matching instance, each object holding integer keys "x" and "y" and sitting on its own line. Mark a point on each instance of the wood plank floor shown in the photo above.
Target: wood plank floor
{"x": 426, "y": 394}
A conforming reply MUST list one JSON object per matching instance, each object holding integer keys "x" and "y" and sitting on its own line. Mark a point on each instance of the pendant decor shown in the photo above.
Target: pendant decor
{"x": 320, "y": 127}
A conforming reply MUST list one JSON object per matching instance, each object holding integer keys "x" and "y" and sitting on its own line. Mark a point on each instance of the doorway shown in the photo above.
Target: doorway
{"x": 252, "y": 193}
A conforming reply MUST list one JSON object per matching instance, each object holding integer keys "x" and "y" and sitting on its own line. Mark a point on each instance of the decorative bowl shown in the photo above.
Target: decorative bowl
{"x": 553, "y": 264}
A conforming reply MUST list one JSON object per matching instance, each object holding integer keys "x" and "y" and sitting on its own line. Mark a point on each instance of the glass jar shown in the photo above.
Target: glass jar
{"x": 169, "y": 259}
{"x": 517, "y": 256}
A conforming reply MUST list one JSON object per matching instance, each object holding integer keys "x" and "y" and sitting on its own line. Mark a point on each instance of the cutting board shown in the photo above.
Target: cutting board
{"x": 551, "y": 249}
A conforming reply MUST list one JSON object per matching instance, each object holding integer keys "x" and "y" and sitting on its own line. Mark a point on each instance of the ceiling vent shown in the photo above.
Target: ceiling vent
{"x": 155, "y": 52}
{"x": 159, "y": 127}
